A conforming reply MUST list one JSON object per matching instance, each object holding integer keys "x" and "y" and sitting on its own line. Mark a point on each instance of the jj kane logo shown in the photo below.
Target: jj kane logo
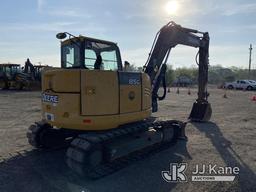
{"x": 200, "y": 173}
{"x": 176, "y": 173}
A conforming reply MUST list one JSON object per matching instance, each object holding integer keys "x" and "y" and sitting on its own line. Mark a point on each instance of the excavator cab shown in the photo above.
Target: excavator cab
{"x": 88, "y": 53}
{"x": 103, "y": 95}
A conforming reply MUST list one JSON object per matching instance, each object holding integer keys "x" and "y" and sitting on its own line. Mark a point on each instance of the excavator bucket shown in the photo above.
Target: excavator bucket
{"x": 201, "y": 111}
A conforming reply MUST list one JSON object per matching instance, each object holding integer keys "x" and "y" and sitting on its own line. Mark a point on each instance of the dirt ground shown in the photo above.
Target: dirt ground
{"x": 228, "y": 140}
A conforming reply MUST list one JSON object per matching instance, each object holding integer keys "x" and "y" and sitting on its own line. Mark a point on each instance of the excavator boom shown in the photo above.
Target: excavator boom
{"x": 167, "y": 38}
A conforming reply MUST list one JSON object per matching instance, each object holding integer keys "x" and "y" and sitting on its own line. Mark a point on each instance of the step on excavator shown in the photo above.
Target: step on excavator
{"x": 102, "y": 112}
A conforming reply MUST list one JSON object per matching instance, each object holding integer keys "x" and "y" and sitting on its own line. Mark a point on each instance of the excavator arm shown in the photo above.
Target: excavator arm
{"x": 167, "y": 38}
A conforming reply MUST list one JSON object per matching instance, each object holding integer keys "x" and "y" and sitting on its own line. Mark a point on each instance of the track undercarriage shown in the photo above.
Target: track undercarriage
{"x": 96, "y": 154}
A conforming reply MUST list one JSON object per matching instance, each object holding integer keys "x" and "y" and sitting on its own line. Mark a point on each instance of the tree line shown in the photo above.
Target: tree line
{"x": 217, "y": 74}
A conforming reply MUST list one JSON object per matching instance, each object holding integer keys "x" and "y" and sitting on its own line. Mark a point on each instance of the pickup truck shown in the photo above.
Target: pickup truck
{"x": 241, "y": 84}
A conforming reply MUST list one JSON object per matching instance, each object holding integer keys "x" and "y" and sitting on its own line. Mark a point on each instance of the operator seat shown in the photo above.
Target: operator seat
{"x": 98, "y": 62}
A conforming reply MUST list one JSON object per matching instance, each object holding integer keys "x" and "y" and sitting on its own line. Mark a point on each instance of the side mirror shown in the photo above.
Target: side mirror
{"x": 61, "y": 35}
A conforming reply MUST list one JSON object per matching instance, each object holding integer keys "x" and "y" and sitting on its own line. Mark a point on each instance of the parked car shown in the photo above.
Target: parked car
{"x": 241, "y": 84}
{"x": 252, "y": 81}
{"x": 182, "y": 81}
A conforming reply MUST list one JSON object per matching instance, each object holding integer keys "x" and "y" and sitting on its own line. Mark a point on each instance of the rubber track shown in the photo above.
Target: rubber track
{"x": 84, "y": 144}
{"x": 36, "y": 132}
{"x": 33, "y": 133}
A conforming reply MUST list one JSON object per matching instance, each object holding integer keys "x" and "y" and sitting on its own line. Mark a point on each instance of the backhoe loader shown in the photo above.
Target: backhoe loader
{"x": 102, "y": 112}
{"x": 11, "y": 76}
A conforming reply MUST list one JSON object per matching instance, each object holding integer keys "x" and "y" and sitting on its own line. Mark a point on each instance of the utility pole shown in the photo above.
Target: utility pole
{"x": 250, "y": 58}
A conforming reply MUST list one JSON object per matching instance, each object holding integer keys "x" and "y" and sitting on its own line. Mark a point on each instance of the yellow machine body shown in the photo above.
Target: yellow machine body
{"x": 101, "y": 109}
{"x": 83, "y": 99}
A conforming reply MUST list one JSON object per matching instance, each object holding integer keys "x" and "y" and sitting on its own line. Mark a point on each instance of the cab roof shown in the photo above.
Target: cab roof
{"x": 83, "y": 38}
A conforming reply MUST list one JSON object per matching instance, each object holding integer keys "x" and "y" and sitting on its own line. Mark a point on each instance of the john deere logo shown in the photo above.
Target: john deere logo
{"x": 131, "y": 95}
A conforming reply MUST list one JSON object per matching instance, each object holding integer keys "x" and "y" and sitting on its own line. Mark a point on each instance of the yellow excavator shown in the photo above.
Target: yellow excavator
{"x": 102, "y": 111}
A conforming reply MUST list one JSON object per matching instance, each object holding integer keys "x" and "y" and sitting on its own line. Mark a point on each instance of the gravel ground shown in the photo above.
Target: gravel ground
{"x": 228, "y": 140}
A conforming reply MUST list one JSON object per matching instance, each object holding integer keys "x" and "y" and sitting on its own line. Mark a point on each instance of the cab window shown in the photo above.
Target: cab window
{"x": 90, "y": 58}
{"x": 15, "y": 69}
{"x": 70, "y": 56}
{"x": 109, "y": 60}
{"x": 8, "y": 70}
{"x": 101, "y": 56}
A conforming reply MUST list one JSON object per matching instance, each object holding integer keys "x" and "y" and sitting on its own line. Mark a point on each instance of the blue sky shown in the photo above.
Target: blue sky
{"x": 28, "y": 28}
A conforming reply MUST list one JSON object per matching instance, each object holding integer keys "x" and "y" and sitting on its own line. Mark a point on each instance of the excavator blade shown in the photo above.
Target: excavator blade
{"x": 201, "y": 111}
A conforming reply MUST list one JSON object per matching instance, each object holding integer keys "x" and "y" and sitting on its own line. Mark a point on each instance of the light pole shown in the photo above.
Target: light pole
{"x": 250, "y": 58}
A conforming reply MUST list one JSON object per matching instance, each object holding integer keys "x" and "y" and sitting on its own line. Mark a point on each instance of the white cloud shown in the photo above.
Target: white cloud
{"x": 137, "y": 56}
{"x": 180, "y": 56}
{"x": 155, "y": 10}
{"x": 183, "y": 56}
{"x": 67, "y": 12}
{"x": 51, "y": 60}
{"x": 189, "y": 11}
{"x": 53, "y": 26}
{"x": 40, "y": 5}
{"x": 240, "y": 9}
{"x": 75, "y": 27}
{"x": 60, "y": 11}
{"x": 234, "y": 55}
